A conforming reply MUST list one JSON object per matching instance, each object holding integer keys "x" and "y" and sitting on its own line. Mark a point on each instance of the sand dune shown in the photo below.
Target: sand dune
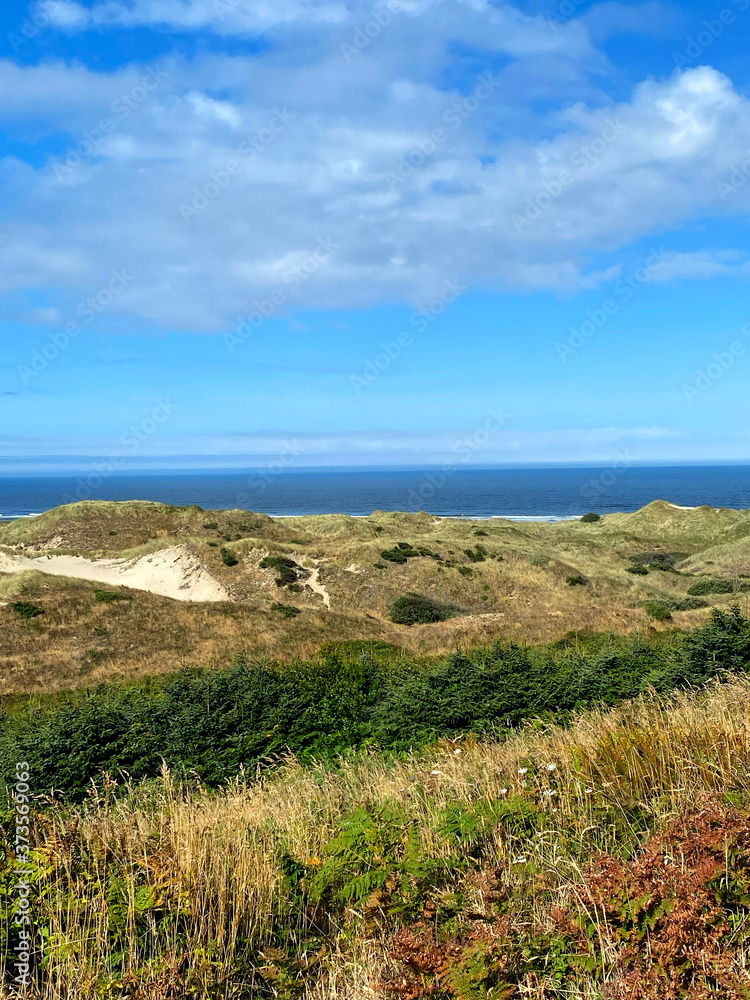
{"x": 174, "y": 572}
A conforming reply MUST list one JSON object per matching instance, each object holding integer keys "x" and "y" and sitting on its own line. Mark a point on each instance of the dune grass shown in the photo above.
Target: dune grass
{"x": 517, "y": 591}
{"x": 469, "y": 870}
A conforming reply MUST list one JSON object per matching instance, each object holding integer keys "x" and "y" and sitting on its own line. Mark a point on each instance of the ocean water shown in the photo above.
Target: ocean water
{"x": 543, "y": 494}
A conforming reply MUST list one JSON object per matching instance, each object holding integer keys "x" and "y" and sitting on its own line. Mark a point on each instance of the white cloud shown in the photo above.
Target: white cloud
{"x": 355, "y": 160}
{"x": 702, "y": 266}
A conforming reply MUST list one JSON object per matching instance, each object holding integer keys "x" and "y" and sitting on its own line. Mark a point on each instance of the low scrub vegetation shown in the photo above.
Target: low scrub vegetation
{"x": 403, "y": 551}
{"x": 287, "y": 569}
{"x": 215, "y": 723}
{"x": 25, "y": 609}
{"x": 416, "y": 609}
{"x": 702, "y": 587}
{"x": 661, "y": 610}
{"x": 524, "y": 862}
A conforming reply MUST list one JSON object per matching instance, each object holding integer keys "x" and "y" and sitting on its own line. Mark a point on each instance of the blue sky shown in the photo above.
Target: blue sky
{"x": 369, "y": 227}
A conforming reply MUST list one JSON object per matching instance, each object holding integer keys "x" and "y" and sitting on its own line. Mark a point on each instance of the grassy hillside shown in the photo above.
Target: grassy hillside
{"x": 606, "y": 859}
{"x": 506, "y": 581}
{"x": 544, "y": 795}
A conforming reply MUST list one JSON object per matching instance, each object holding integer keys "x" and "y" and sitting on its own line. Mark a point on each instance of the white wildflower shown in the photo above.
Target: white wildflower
{"x": 550, "y": 767}
{"x": 520, "y": 860}
{"x": 523, "y": 770}
{"x": 434, "y": 772}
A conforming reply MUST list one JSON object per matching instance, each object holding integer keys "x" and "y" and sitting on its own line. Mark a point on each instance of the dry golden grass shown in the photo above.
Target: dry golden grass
{"x": 214, "y": 861}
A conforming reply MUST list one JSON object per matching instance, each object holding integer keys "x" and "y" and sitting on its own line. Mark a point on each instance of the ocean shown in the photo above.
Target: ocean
{"x": 539, "y": 494}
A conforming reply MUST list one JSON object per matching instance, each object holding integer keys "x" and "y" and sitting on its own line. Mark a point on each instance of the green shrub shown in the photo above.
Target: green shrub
{"x": 716, "y": 587}
{"x": 637, "y": 570}
{"x": 210, "y": 525}
{"x": 108, "y": 596}
{"x": 228, "y": 558}
{"x": 286, "y": 610}
{"x": 393, "y": 555}
{"x": 465, "y": 571}
{"x": 25, "y": 609}
{"x": 575, "y": 581}
{"x": 590, "y": 518}
{"x": 477, "y": 554}
{"x": 403, "y": 551}
{"x": 481, "y": 532}
{"x": 414, "y": 609}
{"x": 659, "y": 610}
{"x": 659, "y": 560}
{"x": 688, "y": 604}
{"x": 286, "y": 567}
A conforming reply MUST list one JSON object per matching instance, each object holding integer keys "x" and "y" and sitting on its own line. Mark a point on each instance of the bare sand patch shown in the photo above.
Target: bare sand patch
{"x": 173, "y": 572}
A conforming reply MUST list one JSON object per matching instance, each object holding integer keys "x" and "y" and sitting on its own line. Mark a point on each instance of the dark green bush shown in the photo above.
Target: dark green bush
{"x": 687, "y": 604}
{"x": 637, "y": 569}
{"x": 716, "y": 587}
{"x": 108, "y": 596}
{"x": 575, "y": 581}
{"x": 210, "y": 525}
{"x": 658, "y": 610}
{"x": 393, "y": 555}
{"x": 477, "y": 554}
{"x": 658, "y": 560}
{"x": 25, "y": 609}
{"x": 286, "y": 610}
{"x": 414, "y": 609}
{"x": 403, "y": 551}
{"x": 228, "y": 558}
{"x": 591, "y": 518}
{"x": 286, "y": 567}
